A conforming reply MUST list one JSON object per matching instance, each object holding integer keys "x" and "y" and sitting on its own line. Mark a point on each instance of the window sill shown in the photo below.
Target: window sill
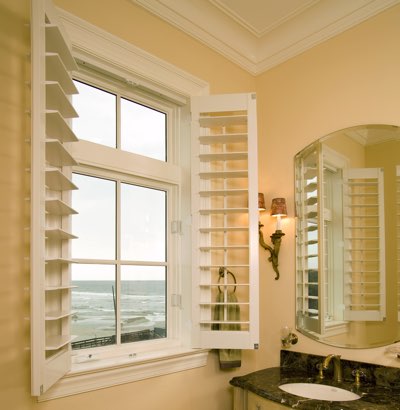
{"x": 336, "y": 327}
{"x": 106, "y": 373}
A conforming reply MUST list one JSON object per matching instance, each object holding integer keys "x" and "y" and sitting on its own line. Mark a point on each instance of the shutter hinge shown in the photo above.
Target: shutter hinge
{"x": 176, "y": 227}
{"x": 41, "y": 389}
{"x": 176, "y": 300}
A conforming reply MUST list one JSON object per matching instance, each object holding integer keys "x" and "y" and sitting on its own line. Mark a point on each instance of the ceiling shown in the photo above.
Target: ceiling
{"x": 260, "y": 34}
{"x": 373, "y": 134}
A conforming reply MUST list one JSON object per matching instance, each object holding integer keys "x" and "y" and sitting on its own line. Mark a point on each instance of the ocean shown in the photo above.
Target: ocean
{"x": 142, "y": 308}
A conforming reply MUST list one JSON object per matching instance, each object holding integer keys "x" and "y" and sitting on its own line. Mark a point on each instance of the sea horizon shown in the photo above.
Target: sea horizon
{"x": 93, "y": 302}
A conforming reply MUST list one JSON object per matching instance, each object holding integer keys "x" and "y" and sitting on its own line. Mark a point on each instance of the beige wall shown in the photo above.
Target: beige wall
{"x": 349, "y": 80}
{"x": 346, "y": 81}
{"x": 134, "y": 24}
{"x": 14, "y": 300}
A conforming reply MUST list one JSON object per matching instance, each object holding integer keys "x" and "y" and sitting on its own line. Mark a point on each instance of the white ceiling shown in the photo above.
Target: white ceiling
{"x": 260, "y": 34}
{"x": 373, "y": 134}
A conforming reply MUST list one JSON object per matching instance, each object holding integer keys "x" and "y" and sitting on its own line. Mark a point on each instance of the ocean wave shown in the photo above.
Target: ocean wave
{"x": 90, "y": 294}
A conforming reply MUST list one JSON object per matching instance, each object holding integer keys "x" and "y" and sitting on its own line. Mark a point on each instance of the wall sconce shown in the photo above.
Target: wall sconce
{"x": 278, "y": 209}
{"x": 287, "y": 337}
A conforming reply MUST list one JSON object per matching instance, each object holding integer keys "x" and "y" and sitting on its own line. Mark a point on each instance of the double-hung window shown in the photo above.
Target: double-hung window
{"x": 124, "y": 257}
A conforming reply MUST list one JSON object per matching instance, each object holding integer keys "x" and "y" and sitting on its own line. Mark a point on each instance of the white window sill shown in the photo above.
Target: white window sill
{"x": 98, "y": 374}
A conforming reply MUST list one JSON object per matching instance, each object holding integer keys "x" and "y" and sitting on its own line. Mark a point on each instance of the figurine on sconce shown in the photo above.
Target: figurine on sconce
{"x": 278, "y": 209}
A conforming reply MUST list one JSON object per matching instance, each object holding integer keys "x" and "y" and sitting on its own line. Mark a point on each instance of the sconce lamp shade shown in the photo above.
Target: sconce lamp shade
{"x": 278, "y": 207}
{"x": 261, "y": 202}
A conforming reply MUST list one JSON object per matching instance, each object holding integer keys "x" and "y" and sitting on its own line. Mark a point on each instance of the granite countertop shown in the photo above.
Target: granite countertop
{"x": 265, "y": 383}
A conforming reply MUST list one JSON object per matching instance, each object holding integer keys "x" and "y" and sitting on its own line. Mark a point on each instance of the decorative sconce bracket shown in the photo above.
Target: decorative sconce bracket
{"x": 288, "y": 339}
{"x": 276, "y": 239}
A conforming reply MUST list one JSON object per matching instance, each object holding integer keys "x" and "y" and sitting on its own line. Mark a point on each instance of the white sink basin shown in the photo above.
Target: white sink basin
{"x": 319, "y": 391}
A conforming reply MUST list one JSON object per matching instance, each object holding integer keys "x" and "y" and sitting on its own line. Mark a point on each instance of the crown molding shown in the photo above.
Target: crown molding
{"x": 106, "y": 51}
{"x": 211, "y": 26}
{"x": 256, "y": 31}
{"x": 373, "y": 134}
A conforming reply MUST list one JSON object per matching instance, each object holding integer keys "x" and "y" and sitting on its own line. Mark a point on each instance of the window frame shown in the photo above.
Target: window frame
{"x": 98, "y": 160}
{"x": 106, "y": 366}
{"x": 334, "y": 165}
{"x": 170, "y": 264}
{"x": 106, "y": 53}
{"x": 126, "y": 62}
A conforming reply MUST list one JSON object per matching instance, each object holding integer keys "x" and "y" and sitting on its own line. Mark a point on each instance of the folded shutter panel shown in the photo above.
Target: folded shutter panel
{"x": 225, "y": 221}
{"x": 309, "y": 240}
{"x": 50, "y": 198}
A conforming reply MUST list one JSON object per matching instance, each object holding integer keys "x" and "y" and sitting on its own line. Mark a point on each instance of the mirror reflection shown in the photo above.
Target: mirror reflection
{"x": 347, "y": 197}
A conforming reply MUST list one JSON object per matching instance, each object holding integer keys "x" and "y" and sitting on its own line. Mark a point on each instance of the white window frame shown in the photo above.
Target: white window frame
{"x": 117, "y": 165}
{"x": 333, "y": 322}
{"x": 320, "y": 325}
{"x": 173, "y": 328}
{"x": 138, "y": 68}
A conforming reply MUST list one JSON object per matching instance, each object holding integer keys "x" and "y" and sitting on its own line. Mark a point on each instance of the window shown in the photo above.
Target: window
{"x": 333, "y": 240}
{"x": 124, "y": 170}
{"x": 319, "y": 253}
{"x": 124, "y": 268}
{"x": 140, "y": 129}
{"x": 121, "y": 299}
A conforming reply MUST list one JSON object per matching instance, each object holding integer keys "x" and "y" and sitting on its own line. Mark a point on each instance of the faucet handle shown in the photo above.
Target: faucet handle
{"x": 320, "y": 368}
{"x": 358, "y": 373}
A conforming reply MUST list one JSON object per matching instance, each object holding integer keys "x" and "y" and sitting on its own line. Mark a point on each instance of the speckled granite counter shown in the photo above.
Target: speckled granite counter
{"x": 380, "y": 387}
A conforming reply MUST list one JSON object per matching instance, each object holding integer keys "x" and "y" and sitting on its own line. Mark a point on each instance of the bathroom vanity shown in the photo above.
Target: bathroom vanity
{"x": 255, "y": 402}
{"x": 379, "y": 387}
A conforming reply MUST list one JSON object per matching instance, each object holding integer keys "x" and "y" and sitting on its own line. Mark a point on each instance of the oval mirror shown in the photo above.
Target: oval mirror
{"x": 347, "y": 198}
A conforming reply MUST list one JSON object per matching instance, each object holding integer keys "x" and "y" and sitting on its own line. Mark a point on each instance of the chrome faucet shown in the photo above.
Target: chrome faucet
{"x": 337, "y": 366}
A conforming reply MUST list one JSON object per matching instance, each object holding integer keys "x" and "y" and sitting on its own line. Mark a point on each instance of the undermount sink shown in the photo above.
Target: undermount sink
{"x": 319, "y": 391}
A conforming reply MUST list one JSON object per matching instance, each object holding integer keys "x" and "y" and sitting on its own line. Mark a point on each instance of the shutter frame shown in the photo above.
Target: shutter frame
{"x": 367, "y": 311}
{"x": 212, "y": 197}
{"x": 50, "y": 198}
{"x": 309, "y": 236}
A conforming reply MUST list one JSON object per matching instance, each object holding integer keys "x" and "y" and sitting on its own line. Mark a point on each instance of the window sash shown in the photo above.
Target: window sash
{"x": 118, "y": 262}
{"x": 125, "y": 97}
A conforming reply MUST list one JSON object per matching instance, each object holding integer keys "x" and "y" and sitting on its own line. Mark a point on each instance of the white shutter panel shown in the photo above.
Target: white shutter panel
{"x": 50, "y": 198}
{"x": 309, "y": 263}
{"x": 225, "y": 221}
{"x": 364, "y": 227}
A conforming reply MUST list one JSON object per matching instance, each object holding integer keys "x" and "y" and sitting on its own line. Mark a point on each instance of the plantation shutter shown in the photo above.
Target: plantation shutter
{"x": 309, "y": 244}
{"x": 50, "y": 198}
{"x": 364, "y": 277}
{"x": 225, "y": 221}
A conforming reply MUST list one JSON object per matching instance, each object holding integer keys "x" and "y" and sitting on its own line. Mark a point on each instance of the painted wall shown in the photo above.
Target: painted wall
{"x": 349, "y": 80}
{"x": 14, "y": 156}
